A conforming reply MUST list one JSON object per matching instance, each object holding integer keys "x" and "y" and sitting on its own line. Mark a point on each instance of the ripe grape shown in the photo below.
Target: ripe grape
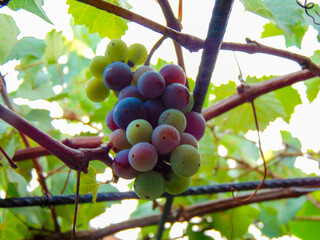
{"x": 117, "y": 75}
{"x": 173, "y": 74}
{"x": 138, "y": 72}
{"x": 139, "y": 130}
{"x": 187, "y": 138}
{"x": 190, "y": 105}
{"x": 143, "y": 156}
{"x": 130, "y": 91}
{"x": 98, "y": 64}
{"x": 165, "y": 138}
{"x": 196, "y": 124}
{"x": 154, "y": 109}
{"x": 151, "y": 84}
{"x": 122, "y": 166}
{"x": 176, "y": 96}
{"x": 119, "y": 141}
{"x": 117, "y": 50}
{"x": 175, "y": 184}
{"x": 127, "y": 110}
{"x": 137, "y": 54}
{"x": 95, "y": 89}
{"x": 149, "y": 185}
{"x": 110, "y": 122}
{"x": 185, "y": 160}
{"x": 174, "y": 118}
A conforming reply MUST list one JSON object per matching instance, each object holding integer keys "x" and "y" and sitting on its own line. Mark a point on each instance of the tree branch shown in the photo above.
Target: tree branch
{"x": 217, "y": 27}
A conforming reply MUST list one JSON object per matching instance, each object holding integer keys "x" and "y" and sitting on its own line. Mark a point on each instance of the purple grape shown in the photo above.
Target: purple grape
{"x": 165, "y": 138}
{"x": 176, "y": 96}
{"x": 130, "y": 91}
{"x": 151, "y": 84}
{"x": 122, "y": 166}
{"x": 117, "y": 75}
{"x": 143, "y": 156}
{"x": 110, "y": 122}
{"x": 196, "y": 124}
{"x": 127, "y": 110}
{"x": 154, "y": 109}
{"x": 173, "y": 74}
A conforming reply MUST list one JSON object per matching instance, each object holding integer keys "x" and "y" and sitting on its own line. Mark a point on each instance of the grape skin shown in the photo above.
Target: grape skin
{"x": 127, "y": 110}
{"x": 117, "y": 75}
{"x": 95, "y": 90}
{"x": 175, "y": 184}
{"x": 149, "y": 185}
{"x": 196, "y": 124}
{"x": 165, "y": 138}
{"x": 119, "y": 141}
{"x": 138, "y": 72}
{"x": 139, "y": 130}
{"x": 130, "y": 91}
{"x": 110, "y": 122}
{"x": 143, "y": 156}
{"x": 154, "y": 109}
{"x": 137, "y": 54}
{"x": 151, "y": 84}
{"x": 122, "y": 167}
{"x": 187, "y": 138}
{"x": 174, "y": 118}
{"x": 185, "y": 160}
{"x": 117, "y": 50}
{"x": 98, "y": 64}
{"x": 176, "y": 96}
{"x": 173, "y": 73}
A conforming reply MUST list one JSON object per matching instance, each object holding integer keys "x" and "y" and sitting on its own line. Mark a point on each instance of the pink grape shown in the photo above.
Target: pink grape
{"x": 196, "y": 124}
{"x": 122, "y": 166}
{"x": 165, "y": 138}
{"x": 119, "y": 141}
{"x": 173, "y": 74}
{"x": 176, "y": 96}
{"x": 187, "y": 138}
{"x": 110, "y": 122}
{"x": 143, "y": 156}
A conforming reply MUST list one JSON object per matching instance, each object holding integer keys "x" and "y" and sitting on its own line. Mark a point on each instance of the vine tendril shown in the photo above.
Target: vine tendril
{"x": 308, "y": 6}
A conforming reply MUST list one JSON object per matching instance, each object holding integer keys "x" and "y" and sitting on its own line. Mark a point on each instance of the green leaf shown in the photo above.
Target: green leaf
{"x": 270, "y": 30}
{"x": 56, "y": 46}
{"x": 12, "y": 228}
{"x": 89, "y": 184}
{"x": 33, "y": 6}
{"x": 102, "y": 22}
{"x": 288, "y": 139}
{"x": 313, "y": 84}
{"x": 11, "y": 47}
{"x": 271, "y": 226}
{"x": 257, "y": 7}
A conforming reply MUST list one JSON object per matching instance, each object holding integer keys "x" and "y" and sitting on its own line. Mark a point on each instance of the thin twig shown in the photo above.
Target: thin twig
{"x": 76, "y": 205}
{"x": 12, "y": 164}
{"x": 153, "y": 49}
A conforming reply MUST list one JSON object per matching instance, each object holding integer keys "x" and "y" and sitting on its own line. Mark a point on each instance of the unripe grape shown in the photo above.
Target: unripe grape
{"x": 137, "y": 54}
{"x": 98, "y": 64}
{"x": 174, "y": 118}
{"x": 117, "y": 50}
{"x": 175, "y": 184}
{"x": 143, "y": 156}
{"x": 149, "y": 185}
{"x": 139, "y": 130}
{"x": 185, "y": 160}
{"x": 95, "y": 89}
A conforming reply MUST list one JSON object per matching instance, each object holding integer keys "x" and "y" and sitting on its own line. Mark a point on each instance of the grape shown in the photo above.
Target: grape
{"x": 173, "y": 74}
{"x": 98, "y": 64}
{"x": 165, "y": 138}
{"x": 139, "y": 130}
{"x": 119, "y": 141}
{"x": 176, "y": 96}
{"x": 117, "y": 75}
{"x": 117, "y": 50}
{"x": 130, "y": 91}
{"x": 175, "y": 184}
{"x": 190, "y": 105}
{"x": 143, "y": 156}
{"x": 127, "y": 110}
{"x": 149, "y": 185}
{"x": 196, "y": 124}
{"x": 185, "y": 160}
{"x": 137, "y": 54}
{"x": 187, "y": 138}
{"x": 122, "y": 166}
{"x": 110, "y": 122}
{"x": 138, "y": 72}
{"x": 154, "y": 109}
{"x": 151, "y": 84}
{"x": 174, "y": 118}
{"x": 95, "y": 89}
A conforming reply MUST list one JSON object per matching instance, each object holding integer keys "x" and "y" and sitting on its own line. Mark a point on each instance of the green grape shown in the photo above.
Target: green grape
{"x": 98, "y": 64}
{"x": 190, "y": 105}
{"x": 174, "y": 118}
{"x": 117, "y": 50}
{"x": 149, "y": 185}
{"x": 137, "y": 54}
{"x": 175, "y": 184}
{"x": 96, "y": 90}
{"x": 138, "y": 72}
{"x": 139, "y": 130}
{"x": 185, "y": 160}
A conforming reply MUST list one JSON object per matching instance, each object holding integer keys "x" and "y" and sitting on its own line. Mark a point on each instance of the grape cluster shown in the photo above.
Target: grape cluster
{"x": 155, "y": 133}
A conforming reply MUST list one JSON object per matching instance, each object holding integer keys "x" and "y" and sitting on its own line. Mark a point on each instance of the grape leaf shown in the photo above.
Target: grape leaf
{"x": 271, "y": 225}
{"x": 33, "y": 6}
{"x": 270, "y": 29}
{"x": 313, "y": 84}
{"x": 258, "y": 7}
{"x": 89, "y": 184}
{"x": 11, "y": 47}
{"x": 56, "y": 46}
{"x": 102, "y": 22}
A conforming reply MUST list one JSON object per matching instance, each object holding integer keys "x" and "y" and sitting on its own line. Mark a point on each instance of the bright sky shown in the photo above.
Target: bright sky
{"x": 305, "y": 121}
